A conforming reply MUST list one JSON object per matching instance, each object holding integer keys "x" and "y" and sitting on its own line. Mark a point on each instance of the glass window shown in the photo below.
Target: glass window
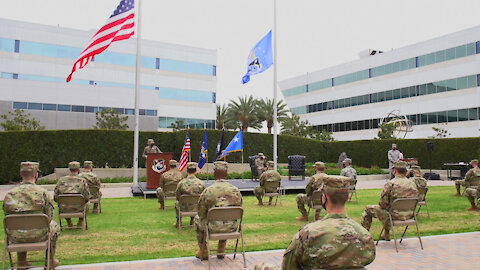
{"x": 439, "y": 56}
{"x": 34, "y": 106}
{"x": 422, "y": 89}
{"x": 119, "y": 110}
{"x": 462, "y": 83}
{"x": 361, "y": 125}
{"x": 129, "y": 111}
{"x": 367, "y": 124}
{"x": 423, "y": 118}
{"x": 430, "y": 59}
{"x": 374, "y": 97}
{"x": 441, "y": 86}
{"x": 431, "y": 89}
{"x": 412, "y": 91}
{"x": 432, "y": 118}
{"x": 460, "y": 51}
{"x": 141, "y": 112}
{"x": 150, "y": 112}
{"x": 451, "y": 85}
{"x": 396, "y": 94}
{"x": 64, "y": 108}
{"x": 389, "y": 95}
{"x": 405, "y": 92}
{"x": 76, "y": 108}
{"x": 471, "y": 48}
{"x": 330, "y": 105}
{"x": 473, "y": 114}
{"x": 354, "y": 125}
{"x": 422, "y": 60}
{"x": 451, "y": 116}
{"x": 472, "y": 81}
{"x": 90, "y": 109}
{"x": 183, "y": 94}
{"x": 6, "y": 75}
{"x": 148, "y": 62}
{"x": 347, "y": 102}
{"x": 462, "y": 115}
{"x": 49, "y": 107}
{"x": 375, "y": 123}
{"x": 413, "y": 119}
{"x": 7, "y": 45}
{"x": 336, "y": 127}
{"x": 20, "y": 105}
{"x": 342, "y": 127}
{"x": 17, "y": 46}
{"x": 348, "y": 126}
{"x": 441, "y": 117}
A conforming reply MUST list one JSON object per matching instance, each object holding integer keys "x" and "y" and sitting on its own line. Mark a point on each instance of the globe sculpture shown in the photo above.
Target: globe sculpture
{"x": 402, "y": 125}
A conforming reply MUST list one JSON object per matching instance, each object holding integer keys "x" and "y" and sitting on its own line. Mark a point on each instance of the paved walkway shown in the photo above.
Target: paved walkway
{"x": 454, "y": 251}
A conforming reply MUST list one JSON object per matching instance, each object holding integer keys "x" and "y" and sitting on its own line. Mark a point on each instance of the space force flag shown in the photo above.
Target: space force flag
{"x": 202, "y": 159}
{"x": 234, "y": 146}
{"x": 260, "y": 57}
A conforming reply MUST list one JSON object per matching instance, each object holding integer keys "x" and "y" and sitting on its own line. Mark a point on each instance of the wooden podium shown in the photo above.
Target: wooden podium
{"x": 157, "y": 164}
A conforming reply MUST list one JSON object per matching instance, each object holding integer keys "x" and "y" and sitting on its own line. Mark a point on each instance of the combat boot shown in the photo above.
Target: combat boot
{"x": 162, "y": 206}
{"x": 270, "y": 201}
{"x": 202, "y": 252}
{"x": 221, "y": 249}
{"x": 260, "y": 202}
{"x": 69, "y": 223}
{"x": 191, "y": 221}
{"x": 95, "y": 208}
{"x": 80, "y": 223}
{"x": 385, "y": 236}
{"x": 304, "y": 217}
{"x": 22, "y": 260}
{"x": 473, "y": 208}
{"x": 457, "y": 194}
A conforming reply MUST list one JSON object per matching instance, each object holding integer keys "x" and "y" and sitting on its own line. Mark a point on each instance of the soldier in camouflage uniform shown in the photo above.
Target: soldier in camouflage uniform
{"x": 269, "y": 176}
{"x": 335, "y": 242}
{"x": 73, "y": 184}
{"x": 260, "y": 164}
{"x": 472, "y": 178}
{"x": 398, "y": 187}
{"x": 473, "y": 193}
{"x": 191, "y": 185}
{"x": 348, "y": 171}
{"x": 28, "y": 198}
{"x": 417, "y": 178}
{"x": 172, "y": 176}
{"x": 313, "y": 184}
{"x": 92, "y": 181}
{"x": 219, "y": 194}
{"x": 150, "y": 148}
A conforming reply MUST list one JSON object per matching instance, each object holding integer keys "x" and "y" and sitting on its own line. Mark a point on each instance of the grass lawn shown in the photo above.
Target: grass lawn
{"x": 135, "y": 229}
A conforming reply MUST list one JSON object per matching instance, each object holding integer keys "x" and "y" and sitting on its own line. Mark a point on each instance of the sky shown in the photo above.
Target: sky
{"x": 312, "y": 34}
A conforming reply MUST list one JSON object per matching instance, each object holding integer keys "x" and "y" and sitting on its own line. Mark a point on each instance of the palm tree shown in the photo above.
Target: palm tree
{"x": 221, "y": 116}
{"x": 266, "y": 111}
{"x": 244, "y": 113}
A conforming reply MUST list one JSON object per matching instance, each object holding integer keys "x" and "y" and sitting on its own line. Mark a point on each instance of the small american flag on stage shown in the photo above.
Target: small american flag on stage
{"x": 119, "y": 26}
{"x": 185, "y": 152}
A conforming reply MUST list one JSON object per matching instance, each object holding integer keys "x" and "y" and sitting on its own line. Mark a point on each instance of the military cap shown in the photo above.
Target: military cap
{"x": 400, "y": 164}
{"x": 150, "y": 140}
{"x": 28, "y": 166}
{"x": 260, "y": 154}
{"x": 74, "y": 165}
{"x": 192, "y": 165}
{"x": 222, "y": 165}
{"x": 319, "y": 165}
{"x": 474, "y": 161}
{"x": 270, "y": 164}
{"x": 173, "y": 162}
{"x": 347, "y": 160}
{"x": 87, "y": 163}
{"x": 416, "y": 169}
{"x": 335, "y": 183}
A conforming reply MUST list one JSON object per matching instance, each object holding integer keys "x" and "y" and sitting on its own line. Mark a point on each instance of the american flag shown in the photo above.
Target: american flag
{"x": 185, "y": 153}
{"x": 119, "y": 26}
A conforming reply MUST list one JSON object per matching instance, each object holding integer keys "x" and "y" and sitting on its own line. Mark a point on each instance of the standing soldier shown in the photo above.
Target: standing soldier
{"x": 72, "y": 184}
{"x": 219, "y": 194}
{"x": 348, "y": 171}
{"x": 92, "y": 181}
{"x": 269, "y": 176}
{"x": 260, "y": 164}
{"x": 394, "y": 155}
{"x": 472, "y": 178}
{"x": 171, "y": 176}
{"x": 150, "y": 148}
{"x": 398, "y": 187}
{"x": 314, "y": 183}
{"x": 28, "y": 198}
{"x": 191, "y": 185}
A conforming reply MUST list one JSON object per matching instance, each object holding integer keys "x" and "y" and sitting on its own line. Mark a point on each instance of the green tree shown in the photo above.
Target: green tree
{"x": 323, "y": 136}
{"x": 440, "y": 132}
{"x": 110, "y": 119}
{"x": 178, "y": 125}
{"x": 243, "y": 113}
{"x": 223, "y": 120}
{"x": 295, "y": 127}
{"x": 265, "y": 111}
{"x": 386, "y": 131}
{"x": 19, "y": 120}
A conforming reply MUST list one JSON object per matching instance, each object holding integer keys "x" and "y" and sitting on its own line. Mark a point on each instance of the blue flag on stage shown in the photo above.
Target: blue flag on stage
{"x": 260, "y": 57}
{"x": 234, "y": 146}
{"x": 202, "y": 159}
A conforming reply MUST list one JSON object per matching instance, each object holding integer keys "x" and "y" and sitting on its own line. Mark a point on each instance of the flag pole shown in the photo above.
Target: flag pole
{"x": 275, "y": 128}
{"x": 137, "y": 97}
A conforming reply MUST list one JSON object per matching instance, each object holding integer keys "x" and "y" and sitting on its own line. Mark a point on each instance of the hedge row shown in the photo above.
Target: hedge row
{"x": 55, "y": 148}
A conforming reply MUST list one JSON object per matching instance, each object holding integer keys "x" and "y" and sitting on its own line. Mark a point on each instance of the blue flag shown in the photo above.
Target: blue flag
{"x": 260, "y": 57}
{"x": 234, "y": 146}
{"x": 202, "y": 159}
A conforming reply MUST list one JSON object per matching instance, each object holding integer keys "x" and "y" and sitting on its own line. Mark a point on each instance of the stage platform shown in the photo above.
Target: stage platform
{"x": 244, "y": 185}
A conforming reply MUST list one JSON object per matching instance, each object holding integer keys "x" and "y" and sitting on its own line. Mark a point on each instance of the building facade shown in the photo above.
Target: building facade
{"x": 433, "y": 84}
{"x": 177, "y": 82}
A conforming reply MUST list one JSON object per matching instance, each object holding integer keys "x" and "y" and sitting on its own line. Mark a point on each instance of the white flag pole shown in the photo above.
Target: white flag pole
{"x": 137, "y": 96}
{"x": 275, "y": 128}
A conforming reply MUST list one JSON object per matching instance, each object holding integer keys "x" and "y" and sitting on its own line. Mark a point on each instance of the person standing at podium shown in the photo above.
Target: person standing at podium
{"x": 150, "y": 148}
{"x": 171, "y": 176}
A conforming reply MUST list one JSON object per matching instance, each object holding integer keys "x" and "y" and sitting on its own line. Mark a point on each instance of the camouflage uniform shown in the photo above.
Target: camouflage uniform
{"x": 314, "y": 183}
{"x": 472, "y": 195}
{"x": 348, "y": 171}
{"x": 399, "y": 187}
{"x": 92, "y": 180}
{"x": 418, "y": 179}
{"x": 171, "y": 176}
{"x": 260, "y": 164}
{"x": 472, "y": 178}
{"x": 268, "y": 176}
{"x": 265, "y": 266}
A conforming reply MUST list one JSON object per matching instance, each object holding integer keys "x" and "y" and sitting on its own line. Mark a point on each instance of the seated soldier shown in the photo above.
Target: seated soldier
{"x": 269, "y": 176}
{"x": 191, "y": 185}
{"x": 173, "y": 176}
{"x": 398, "y": 187}
{"x": 314, "y": 183}
{"x": 473, "y": 193}
{"x": 72, "y": 184}
{"x": 348, "y": 171}
{"x": 92, "y": 181}
{"x": 28, "y": 198}
{"x": 417, "y": 178}
{"x": 334, "y": 242}
{"x": 219, "y": 194}
{"x": 472, "y": 177}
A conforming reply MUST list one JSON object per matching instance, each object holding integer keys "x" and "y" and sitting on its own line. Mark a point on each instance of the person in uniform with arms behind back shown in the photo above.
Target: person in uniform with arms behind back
{"x": 28, "y": 198}
{"x": 73, "y": 184}
{"x": 150, "y": 148}
{"x": 335, "y": 242}
{"x": 348, "y": 171}
{"x": 92, "y": 181}
{"x": 191, "y": 185}
{"x": 394, "y": 155}
{"x": 472, "y": 178}
{"x": 172, "y": 176}
{"x": 269, "y": 176}
{"x": 260, "y": 164}
{"x": 313, "y": 184}
{"x": 219, "y": 194}
{"x": 398, "y": 187}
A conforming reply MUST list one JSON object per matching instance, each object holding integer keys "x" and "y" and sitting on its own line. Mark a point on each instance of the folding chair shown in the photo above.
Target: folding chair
{"x": 315, "y": 202}
{"x": 27, "y": 222}
{"x": 65, "y": 204}
{"x": 95, "y": 190}
{"x": 422, "y": 195}
{"x": 225, "y": 214}
{"x": 473, "y": 184}
{"x": 274, "y": 185}
{"x": 191, "y": 203}
{"x": 403, "y": 205}
{"x": 169, "y": 188}
{"x": 353, "y": 189}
